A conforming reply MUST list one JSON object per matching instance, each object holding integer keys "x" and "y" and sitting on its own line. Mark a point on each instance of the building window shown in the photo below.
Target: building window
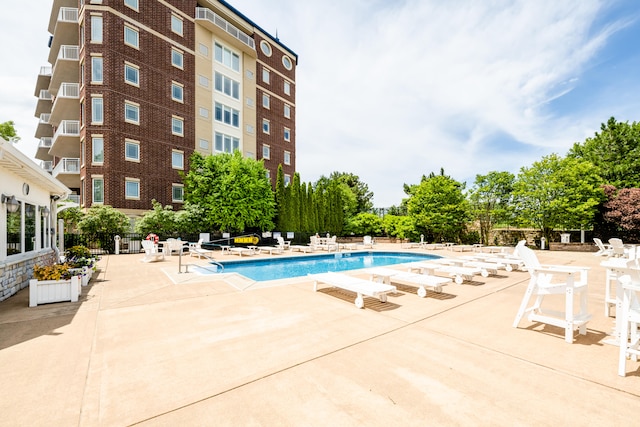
{"x": 265, "y": 48}
{"x": 177, "y": 58}
{"x": 98, "y": 190}
{"x": 204, "y": 113}
{"x": 265, "y": 75}
{"x": 266, "y": 126}
{"x": 96, "y": 70}
{"x": 250, "y": 129}
{"x": 97, "y": 150}
{"x": 249, "y": 74}
{"x": 227, "y": 86}
{"x": 97, "y": 111}
{"x": 176, "y": 24}
{"x": 177, "y": 126}
{"x": 177, "y": 159}
{"x": 266, "y": 152}
{"x": 287, "y": 179}
{"x": 132, "y": 188}
{"x": 227, "y": 115}
{"x": 226, "y": 144}
{"x": 204, "y": 144}
{"x": 133, "y": 4}
{"x": 267, "y": 173}
{"x": 249, "y": 102}
{"x": 177, "y": 193}
{"x": 265, "y": 100}
{"x": 203, "y": 81}
{"x": 225, "y": 56}
{"x": 96, "y": 29}
{"x": 177, "y": 92}
{"x": 204, "y": 50}
{"x": 132, "y": 74}
{"x": 287, "y": 134}
{"x": 132, "y": 150}
{"x": 287, "y": 87}
{"x": 287, "y": 111}
{"x": 287, "y": 158}
{"x": 131, "y": 113}
{"x": 131, "y": 37}
{"x": 286, "y": 61}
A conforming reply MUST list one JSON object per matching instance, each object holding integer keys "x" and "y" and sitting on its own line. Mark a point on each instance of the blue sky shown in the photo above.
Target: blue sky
{"x": 393, "y": 90}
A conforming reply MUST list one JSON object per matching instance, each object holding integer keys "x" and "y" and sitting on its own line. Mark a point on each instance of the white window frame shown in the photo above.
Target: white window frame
{"x": 177, "y": 126}
{"x": 177, "y": 24}
{"x": 227, "y": 115}
{"x": 203, "y": 81}
{"x": 94, "y": 180}
{"x": 97, "y": 105}
{"x": 266, "y": 126}
{"x": 203, "y": 144}
{"x": 266, "y": 75}
{"x": 128, "y": 181}
{"x": 130, "y": 106}
{"x": 203, "y": 112}
{"x": 287, "y": 179}
{"x": 97, "y": 29}
{"x": 287, "y": 87}
{"x": 287, "y": 111}
{"x": 287, "y": 158}
{"x": 174, "y": 187}
{"x": 131, "y": 143}
{"x": 175, "y": 54}
{"x": 177, "y": 86}
{"x": 133, "y": 4}
{"x": 266, "y": 101}
{"x": 225, "y": 56}
{"x": 135, "y": 70}
{"x": 97, "y": 70}
{"x": 203, "y": 49}
{"x": 128, "y": 29}
{"x": 266, "y": 152}
{"x": 177, "y": 159}
{"x": 97, "y": 144}
{"x": 226, "y": 85}
{"x": 223, "y": 141}
{"x": 287, "y": 134}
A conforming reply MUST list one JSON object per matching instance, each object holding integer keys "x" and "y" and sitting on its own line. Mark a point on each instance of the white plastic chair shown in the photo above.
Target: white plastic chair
{"x": 617, "y": 247}
{"x": 367, "y": 242}
{"x": 548, "y": 280}
{"x": 603, "y": 250}
{"x": 629, "y": 318}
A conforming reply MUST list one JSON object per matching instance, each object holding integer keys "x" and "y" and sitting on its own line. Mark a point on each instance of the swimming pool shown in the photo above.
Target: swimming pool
{"x": 287, "y": 267}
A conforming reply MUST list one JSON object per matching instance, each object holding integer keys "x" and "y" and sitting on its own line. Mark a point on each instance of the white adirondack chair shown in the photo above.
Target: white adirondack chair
{"x": 546, "y": 280}
{"x": 629, "y": 317}
{"x": 603, "y": 250}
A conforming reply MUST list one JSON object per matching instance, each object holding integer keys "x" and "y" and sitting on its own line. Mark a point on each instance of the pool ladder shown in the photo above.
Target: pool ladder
{"x": 211, "y": 261}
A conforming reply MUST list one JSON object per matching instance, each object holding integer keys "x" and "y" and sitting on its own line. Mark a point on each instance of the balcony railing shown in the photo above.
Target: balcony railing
{"x": 68, "y": 128}
{"x": 47, "y": 165}
{"x": 70, "y": 53}
{"x": 69, "y": 90}
{"x": 45, "y": 95}
{"x": 45, "y": 71}
{"x": 74, "y": 198}
{"x": 68, "y": 14}
{"x": 209, "y": 15}
{"x": 45, "y": 118}
{"x": 67, "y": 166}
{"x": 45, "y": 142}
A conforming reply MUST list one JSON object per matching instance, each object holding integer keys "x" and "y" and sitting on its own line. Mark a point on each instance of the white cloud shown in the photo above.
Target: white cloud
{"x": 394, "y": 90}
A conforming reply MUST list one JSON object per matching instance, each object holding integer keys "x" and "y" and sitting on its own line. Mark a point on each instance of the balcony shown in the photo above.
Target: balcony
{"x": 65, "y": 31}
{"x": 67, "y": 104}
{"x": 75, "y": 198}
{"x": 66, "y": 140}
{"x": 44, "y": 79}
{"x": 44, "y": 126}
{"x": 65, "y": 68}
{"x": 47, "y": 166}
{"x": 44, "y": 103}
{"x": 42, "y": 152}
{"x": 67, "y": 171}
{"x": 207, "y": 16}
{"x": 55, "y": 8}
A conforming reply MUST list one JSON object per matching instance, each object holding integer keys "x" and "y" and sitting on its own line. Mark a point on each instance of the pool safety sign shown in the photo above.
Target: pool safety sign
{"x": 246, "y": 240}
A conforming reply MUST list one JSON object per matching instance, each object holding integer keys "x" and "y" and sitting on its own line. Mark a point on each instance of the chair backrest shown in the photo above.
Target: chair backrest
{"x": 148, "y": 246}
{"x": 617, "y": 246}
{"x": 528, "y": 256}
{"x": 280, "y": 241}
{"x": 366, "y": 240}
{"x": 599, "y": 244}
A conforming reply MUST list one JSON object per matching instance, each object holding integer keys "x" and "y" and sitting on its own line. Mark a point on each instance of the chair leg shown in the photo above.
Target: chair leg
{"x": 624, "y": 334}
{"x": 524, "y": 303}
{"x": 568, "y": 326}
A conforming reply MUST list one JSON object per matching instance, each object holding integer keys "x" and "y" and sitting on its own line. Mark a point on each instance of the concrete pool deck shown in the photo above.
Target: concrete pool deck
{"x": 149, "y": 346}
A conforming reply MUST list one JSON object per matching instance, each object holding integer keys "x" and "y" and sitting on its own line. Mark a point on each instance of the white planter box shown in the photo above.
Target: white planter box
{"x": 85, "y": 274}
{"x": 46, "y": 291}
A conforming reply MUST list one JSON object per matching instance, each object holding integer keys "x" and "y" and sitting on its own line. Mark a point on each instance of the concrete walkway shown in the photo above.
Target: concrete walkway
{"x": 147, "y": 346}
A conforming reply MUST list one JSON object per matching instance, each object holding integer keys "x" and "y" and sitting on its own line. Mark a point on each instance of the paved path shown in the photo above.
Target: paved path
{"x": 146, "y": 346}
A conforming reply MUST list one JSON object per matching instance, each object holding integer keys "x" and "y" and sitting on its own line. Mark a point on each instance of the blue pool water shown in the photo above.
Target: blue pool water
{"x": 286, "y": 267}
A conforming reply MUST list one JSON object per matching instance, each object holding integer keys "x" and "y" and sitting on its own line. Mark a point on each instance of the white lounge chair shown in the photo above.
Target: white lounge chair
{"x": 367, "y": 242}
{"x": 421, "y": 281}
{"x": 151, "y": 253}
{"x": 548, "y": 280}
{"x": 241, "y": 251}
{"x": 603, "y": 250}
{"x": 353, "y": 284}
{"x": 197, "y": 250}
{"x": 459, "y": 273}
{"x": 271, "y": 250}
{"x": 618, "y": 248}
{"x": 282, "y": 244}
{"x": 301, "y": 248}
{"x": 629, "y": 317}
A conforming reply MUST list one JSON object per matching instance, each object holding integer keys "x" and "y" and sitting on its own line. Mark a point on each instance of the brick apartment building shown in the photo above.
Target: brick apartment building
{"x": 136, "y": 86}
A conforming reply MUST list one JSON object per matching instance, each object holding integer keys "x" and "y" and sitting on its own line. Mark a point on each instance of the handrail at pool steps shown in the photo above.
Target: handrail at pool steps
{"x": 210, "y": 259}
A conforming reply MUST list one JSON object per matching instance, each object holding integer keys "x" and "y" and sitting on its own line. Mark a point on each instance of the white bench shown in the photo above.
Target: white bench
{"x": 359, "y": 286}
{"x": 421, "y": 281}
{"x": 460, "y": 274}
